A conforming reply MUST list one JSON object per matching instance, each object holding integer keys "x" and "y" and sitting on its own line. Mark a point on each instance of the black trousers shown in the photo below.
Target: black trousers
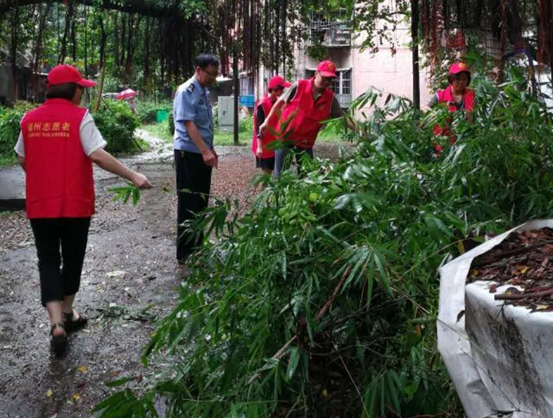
{"x": 60, "y": 272}
{"x": 193, "y": 188}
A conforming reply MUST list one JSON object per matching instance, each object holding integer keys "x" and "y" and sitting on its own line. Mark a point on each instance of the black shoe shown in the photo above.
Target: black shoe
{"x": 182, "y": 260}
{"x": 72, "y": 325}
{"x": 58, "y": 343}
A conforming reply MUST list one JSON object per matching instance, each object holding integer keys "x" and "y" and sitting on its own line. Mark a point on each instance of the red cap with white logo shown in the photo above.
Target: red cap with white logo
{"x": 459, "y": 67}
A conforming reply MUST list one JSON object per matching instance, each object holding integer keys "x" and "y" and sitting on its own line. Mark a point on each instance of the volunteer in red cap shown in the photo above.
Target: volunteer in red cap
{"x": 298, "y": 113}
{"x": 264, "y": 155}
{"x": 457, "y": 96}
{"x": 57, "y": 145}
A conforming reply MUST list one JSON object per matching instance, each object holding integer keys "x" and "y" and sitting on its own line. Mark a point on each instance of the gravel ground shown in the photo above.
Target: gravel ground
{"x": 129, "y": 278}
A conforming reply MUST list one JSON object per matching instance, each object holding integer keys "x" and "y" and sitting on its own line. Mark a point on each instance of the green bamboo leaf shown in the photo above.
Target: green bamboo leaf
{"x": 381, "y": 266}
{"x": 393, "y": 392}
{"x": 119, "y": 382}
{"x": 292, "y": 363}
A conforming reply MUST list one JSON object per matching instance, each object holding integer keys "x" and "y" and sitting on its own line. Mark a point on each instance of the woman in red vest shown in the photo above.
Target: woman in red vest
{"x": 57, "y": 145}
{"x": 298, "y": 113}
{"x": 457, "y": 96}
{"x": 264, "y": 156}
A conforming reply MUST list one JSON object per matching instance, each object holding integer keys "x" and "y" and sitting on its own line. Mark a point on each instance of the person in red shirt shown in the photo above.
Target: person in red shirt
{"x": 57, "y": 145}
{"x": 457, "y": 96}
{"x": 264, "y": 155}
{"x": 298, "y": 113}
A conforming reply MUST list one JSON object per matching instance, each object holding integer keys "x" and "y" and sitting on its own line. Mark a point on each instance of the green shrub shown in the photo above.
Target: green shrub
{"x": 147, "y": 110}
{"x": 10, "y": 119}
{"x": 117, "y": 123}
{"x": 246, "y": 124}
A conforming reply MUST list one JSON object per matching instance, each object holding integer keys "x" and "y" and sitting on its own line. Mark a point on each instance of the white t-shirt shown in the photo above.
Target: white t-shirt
{"x": 91, "y": 138}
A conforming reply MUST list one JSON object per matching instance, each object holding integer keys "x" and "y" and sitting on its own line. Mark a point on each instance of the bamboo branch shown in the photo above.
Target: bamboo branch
{"x": 319, "y": 315}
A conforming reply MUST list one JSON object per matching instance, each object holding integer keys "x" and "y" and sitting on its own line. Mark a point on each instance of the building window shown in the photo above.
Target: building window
{"x": 341, "y": 86}
{"x": 246, "y": 85}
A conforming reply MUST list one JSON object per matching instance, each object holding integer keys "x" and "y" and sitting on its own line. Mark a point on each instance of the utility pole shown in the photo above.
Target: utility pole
{"x": 235, "y": 70}
{"x": 236, "y": 87}
{"x": 415, "y": 52}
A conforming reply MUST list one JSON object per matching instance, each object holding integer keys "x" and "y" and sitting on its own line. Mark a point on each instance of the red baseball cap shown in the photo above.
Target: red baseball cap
{"x": 327, "y": 68}
{"x": 277, "y": 81}
{"x": 459, "y": 67}
{"x": 62, "y": 74}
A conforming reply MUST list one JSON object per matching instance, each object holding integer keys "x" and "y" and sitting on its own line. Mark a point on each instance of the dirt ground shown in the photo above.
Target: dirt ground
{"x": 130, "y": 277}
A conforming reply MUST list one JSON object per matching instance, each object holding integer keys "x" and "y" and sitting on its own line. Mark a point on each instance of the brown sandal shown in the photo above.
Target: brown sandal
{"x": 58, "y": 343}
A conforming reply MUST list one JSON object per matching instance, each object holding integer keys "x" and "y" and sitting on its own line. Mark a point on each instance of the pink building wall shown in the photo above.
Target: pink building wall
{"x": 382, "y": 70}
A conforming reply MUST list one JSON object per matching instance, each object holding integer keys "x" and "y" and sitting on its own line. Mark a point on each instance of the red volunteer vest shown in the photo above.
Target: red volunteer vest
{"x": 446, "y": 96}
{"x": 58, "y": 172}
{"x": 301, "y": 119}
{"x": 266, "y": 104}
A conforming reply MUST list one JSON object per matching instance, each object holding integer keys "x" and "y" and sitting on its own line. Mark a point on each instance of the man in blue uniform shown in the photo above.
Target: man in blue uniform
{"x": 195, "y": 156}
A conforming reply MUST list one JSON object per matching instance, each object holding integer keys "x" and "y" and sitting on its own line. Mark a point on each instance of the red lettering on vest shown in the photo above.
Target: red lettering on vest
{"x": 266, "y": 104}
{"x": 301, "y": 119}
{"x": 58, "y": 172}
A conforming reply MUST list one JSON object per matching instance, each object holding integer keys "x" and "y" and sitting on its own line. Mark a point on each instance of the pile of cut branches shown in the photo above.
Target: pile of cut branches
{"x": 522, "y": 261}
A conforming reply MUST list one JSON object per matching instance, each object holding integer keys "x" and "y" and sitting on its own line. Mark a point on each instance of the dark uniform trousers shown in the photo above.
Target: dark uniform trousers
{"x": 60, "y": 274}
{"x": 193, "y": 188}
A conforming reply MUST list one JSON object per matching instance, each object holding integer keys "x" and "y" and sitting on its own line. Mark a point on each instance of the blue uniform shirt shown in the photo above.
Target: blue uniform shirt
{"x": 192, "y": 103}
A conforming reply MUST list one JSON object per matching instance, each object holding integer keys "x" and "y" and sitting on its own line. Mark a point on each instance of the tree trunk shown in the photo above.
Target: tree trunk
{"x": 122, "y": 43}
{"x": 38, "y": 49}
{"x": 284, "y": 36}
{"x": 103, "y": 41}
{"x": 116, "y": 40}
{"x": 14, "y": 41}
{"x": 68, "y": 17}
{"x": 415, "y": 52}
{"x": 85, "y": 42}
{"x": 100, "y": 88}
{"x": 74, "y": 37}
{"x": 146, "y": 58}
{"x": 278, "y": 39}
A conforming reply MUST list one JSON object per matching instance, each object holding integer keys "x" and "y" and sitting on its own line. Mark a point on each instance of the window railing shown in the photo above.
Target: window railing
{"x": 337, "y": 37}
{"x": 344, "y": 100}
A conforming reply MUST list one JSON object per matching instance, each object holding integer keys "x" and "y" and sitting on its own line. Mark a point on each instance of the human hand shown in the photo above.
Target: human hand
{"x": 210, "y": 158}
{"x": 141, "y": 181}
{"x": 216, "y": 157}
{"x": 262, "y": 129}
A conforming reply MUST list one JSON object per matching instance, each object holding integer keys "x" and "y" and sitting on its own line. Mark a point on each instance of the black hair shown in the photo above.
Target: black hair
{"x": 452, "y": 77}
{"x": 61, "y": 91}
{"x": 279, "y": 87}
{"x": 205, "y": 60}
